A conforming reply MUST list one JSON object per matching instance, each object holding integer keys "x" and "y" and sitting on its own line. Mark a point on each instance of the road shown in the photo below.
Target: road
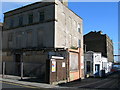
{"x": 111, "y": 82}
{"x": 9, "y": 85}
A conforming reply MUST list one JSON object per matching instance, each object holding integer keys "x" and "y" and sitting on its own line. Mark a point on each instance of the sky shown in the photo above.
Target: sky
{"x": 99, "y": 16}
{"x": 96, "y": 16}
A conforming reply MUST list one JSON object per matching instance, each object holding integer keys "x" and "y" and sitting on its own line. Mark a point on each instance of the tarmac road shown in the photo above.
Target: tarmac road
{"x": 11, "y": 86}
{"x": 111, "y": 82}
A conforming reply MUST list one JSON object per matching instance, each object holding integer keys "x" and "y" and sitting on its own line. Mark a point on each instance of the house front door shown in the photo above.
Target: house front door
{"x": 97, "y": 69}
{"x": 17, "y": 64}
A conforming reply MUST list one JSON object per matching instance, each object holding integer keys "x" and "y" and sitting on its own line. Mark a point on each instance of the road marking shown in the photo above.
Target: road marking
{"x": 18, "y": 84}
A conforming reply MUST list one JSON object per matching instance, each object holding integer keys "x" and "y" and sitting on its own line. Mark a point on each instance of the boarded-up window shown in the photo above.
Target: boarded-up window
{"x": 40, "y": 38}
{"x": 11, "y": 23}
{"x": 30, "y": 18}
{"x": 73, "y": 61}
{"x": 10, "y": 40}
{"x": 41, "y": 16}
{"x": 10, "y": 37}
{"x": 19, "y": 40}
{"x": 29, "y": 39}
{"x": 20, "y": 20}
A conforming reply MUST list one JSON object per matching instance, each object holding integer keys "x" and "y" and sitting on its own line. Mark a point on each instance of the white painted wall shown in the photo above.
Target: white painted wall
{"x": 105, "y": 64}
{"x": 109, "y": 66}
{"x": 95, "y": 58}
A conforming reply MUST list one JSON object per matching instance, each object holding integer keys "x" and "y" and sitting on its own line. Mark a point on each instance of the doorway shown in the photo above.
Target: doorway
{"x": 97, "y": 69}
{"x": 17, "y": 64}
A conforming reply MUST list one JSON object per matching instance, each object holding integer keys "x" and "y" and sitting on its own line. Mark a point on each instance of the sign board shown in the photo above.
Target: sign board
{"x": 57, "y": 57}
{"x": 53, "y": 66}
{"x": 63, "y": 64}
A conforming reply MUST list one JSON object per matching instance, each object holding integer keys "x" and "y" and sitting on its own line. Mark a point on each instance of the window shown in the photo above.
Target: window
{"x": 70, "y": 23}
{"x": 19, "y": 40}
{"x": 30, "y": 18}
{"x": 79, "y": 43}
{"x": 88, "y": 66}
{"x": 11, "y": 23}
{"x": 29, "y": 38}
{"x": 63, "y": 18}
{"x": 20, "y": 20}
{"x": 41, "y": 16}
{"x": 10, "y": 37}
{"x": 40, "y": 38}
{"x": 79, "y": 28}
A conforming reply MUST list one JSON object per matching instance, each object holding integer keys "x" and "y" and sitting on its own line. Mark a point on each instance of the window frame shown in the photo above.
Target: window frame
{"x": 79, "y": 43}
{"x": 11, "y": 23}
{"x": 79, "y": 28}
{"x": 41, "y": 14}
{"x": 20, "y": 19}
{"x": 30, "y": 18}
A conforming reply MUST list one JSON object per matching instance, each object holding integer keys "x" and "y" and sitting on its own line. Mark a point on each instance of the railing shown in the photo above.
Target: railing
{"x": 23, "y": 69}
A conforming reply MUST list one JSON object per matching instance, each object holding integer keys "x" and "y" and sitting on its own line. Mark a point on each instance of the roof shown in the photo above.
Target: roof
{"x": 92, "y": 52}
{"x": 23, "y": 7}
{"x": 34, "y": 4}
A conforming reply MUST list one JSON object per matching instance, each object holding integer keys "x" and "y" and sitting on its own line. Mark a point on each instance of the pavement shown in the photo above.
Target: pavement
{"x": 16, "y": 80}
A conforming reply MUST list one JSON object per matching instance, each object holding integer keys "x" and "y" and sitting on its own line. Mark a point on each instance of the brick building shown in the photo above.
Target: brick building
{"x": 98, "y": 42}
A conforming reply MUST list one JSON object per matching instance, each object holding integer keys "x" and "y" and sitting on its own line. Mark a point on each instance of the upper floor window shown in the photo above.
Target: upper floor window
{"x": 30, "y": 18}
{"x": 10, "y": 40}
{"x": 41, "y": 16}
{"x": 10, "y": 36}
{"x": 20, "y": 20}
{"x": 11, "y": 23}
{"x": 79, "y": 43}
{"x": 19, "y": 40}
{"x": 40, "y": 38}
{"x": 79, "y": 28}
{"x": 29, "y": 38}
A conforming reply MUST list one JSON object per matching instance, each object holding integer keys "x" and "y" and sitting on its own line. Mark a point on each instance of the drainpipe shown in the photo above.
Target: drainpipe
{"x": 79, "y": 62}
{"x": 3, "y": 69}
{"x": 22, "y": 67}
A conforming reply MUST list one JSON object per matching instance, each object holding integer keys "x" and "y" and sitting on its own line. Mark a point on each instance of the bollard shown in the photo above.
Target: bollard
{"x": 3, "y": 70}
{"x": 21, "y": 70}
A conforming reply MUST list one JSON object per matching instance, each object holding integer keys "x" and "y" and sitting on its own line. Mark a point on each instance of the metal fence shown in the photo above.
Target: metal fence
{"x": 24, "y": 69}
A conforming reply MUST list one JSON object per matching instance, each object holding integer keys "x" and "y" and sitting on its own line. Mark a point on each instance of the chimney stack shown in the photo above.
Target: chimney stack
{"x": 100, "y": 32}
{"x": 65, "y": 2}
